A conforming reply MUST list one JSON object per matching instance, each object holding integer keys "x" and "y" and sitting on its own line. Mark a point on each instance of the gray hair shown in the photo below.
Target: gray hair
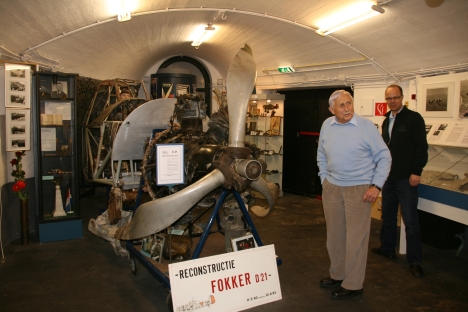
{"x": 336, "y": 95}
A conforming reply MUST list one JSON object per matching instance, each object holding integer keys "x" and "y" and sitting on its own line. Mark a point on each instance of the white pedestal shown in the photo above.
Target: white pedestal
{"x": 58, "y": 212}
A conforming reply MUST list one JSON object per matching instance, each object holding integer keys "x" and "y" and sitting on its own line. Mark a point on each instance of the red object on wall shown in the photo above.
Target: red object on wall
{"x": 307, "y": 133}
{"x": 380, "y": 108}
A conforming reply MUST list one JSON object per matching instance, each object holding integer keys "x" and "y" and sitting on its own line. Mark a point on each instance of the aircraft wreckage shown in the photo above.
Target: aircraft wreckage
{"x": 216, "y": 155}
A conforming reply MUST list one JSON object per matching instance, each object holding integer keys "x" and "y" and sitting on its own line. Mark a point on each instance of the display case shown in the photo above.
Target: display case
{"x": 264, "y": 129}
{"x": 447, "y": 168}
{"x": 54, "y": 121}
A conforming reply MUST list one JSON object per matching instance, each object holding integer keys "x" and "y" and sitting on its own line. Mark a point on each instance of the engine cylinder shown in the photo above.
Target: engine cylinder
{"x": 248, "y": 168}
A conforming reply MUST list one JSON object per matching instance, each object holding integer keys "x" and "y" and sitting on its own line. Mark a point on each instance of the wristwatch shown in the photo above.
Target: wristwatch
{"x": 376, "y": 187}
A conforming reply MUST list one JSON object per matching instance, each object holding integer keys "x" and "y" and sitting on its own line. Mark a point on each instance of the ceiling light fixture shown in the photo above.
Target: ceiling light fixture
{"x": 376, "y": 10}
{"x": 124, "y": 16}
{"x": 208, "y": 30}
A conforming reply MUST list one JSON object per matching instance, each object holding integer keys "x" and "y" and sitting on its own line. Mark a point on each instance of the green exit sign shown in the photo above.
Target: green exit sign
{"x": 286, "y": 69}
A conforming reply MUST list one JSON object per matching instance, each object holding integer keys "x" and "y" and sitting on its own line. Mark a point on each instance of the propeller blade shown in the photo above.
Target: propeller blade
{"x": 270, "y": 191}
{"x": 240, "y": 83}
{"x": 154, "y": 216}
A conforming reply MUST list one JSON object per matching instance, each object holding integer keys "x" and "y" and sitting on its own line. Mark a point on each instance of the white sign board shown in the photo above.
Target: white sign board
{"x": 170, "y": 164}
{"x": 233, "y": 281}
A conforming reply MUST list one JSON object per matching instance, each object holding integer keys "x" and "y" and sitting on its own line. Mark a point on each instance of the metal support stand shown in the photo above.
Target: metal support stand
{"x": 134, "y": 254}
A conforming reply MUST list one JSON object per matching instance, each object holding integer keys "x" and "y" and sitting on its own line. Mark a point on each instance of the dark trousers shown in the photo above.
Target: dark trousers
{"x": 394, "y": 192}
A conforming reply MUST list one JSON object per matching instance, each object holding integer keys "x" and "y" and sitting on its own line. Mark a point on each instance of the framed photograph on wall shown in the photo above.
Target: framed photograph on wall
{"x": 17, "y": 86}
{"x": 436, "y": 99}
{"x": 463, "y": 109}
{"x": 17, "y": 123}
{"x": 244, "y": 242}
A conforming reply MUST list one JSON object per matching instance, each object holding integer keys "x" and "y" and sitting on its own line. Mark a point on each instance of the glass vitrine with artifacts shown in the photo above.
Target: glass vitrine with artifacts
{"x": 447, "y": 168}
{"x": 56, "y": 156}
{"x": 264, "y": 131}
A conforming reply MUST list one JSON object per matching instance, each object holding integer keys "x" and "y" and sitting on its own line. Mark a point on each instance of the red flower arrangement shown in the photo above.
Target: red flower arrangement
{"x": 19, "y": 176}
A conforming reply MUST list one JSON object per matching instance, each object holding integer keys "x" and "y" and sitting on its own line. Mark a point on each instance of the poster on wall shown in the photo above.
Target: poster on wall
{"x": 17, "y": 86}
{"x": 17, "y": 132}
{"x": 463, "y": 110}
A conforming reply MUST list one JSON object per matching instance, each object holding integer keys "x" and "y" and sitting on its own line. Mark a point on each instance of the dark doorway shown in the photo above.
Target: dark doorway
{"x": 304, "y": 111}
{"x": 206, "y": 76}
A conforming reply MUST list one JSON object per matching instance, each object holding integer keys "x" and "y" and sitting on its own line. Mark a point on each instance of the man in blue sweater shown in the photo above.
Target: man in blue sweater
{"x": 404, "y": 132}
{"x": 354, "y": 163}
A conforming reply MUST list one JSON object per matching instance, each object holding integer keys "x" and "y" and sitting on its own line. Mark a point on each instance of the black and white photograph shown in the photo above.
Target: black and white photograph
{"x": 17, "y": 86}
{"x": 17, "y": 100}
{"x": 60, "y": 90}
{"x": 443, "y": 127}
{"x": 18, "y": 129}
{"x": 437, "y": 99}
{"x": 463, "y": 111}
{"x": 18, "y": 73}
{"x": 18, "y": 143}
{"x": 428, "y": 128}
{"x": 18, "y": 116}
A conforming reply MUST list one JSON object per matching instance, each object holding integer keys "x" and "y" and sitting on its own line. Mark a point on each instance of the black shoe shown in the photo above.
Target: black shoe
{"x": 343, "y": 293}
{"x": 416, "y": 270}
{"x": 379, "y": 252}
{"x": 329, "y": 282}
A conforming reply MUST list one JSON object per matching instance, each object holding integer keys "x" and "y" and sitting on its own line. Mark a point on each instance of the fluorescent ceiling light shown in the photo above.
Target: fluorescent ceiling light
{"x": 208, "y": 31}
{"x": 124, "y": 16}
{"x": 376, "y": 10}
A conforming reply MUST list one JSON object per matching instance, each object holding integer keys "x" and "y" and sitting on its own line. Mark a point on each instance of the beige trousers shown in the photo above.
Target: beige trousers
{"x": 348, "y": 228}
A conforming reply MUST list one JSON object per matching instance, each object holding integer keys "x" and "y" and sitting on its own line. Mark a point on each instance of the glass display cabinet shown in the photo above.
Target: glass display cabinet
{"x": 264, "y": 129}
{"x": 443, "y": 197}
{"x": 54, "y": 120}
{"x": 447, "y": 168}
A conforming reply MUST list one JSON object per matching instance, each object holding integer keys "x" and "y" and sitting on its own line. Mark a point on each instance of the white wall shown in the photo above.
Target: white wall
{"x": 366, "y": 96}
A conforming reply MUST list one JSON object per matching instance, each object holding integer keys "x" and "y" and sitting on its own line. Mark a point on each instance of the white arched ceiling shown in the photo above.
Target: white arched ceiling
{"x": 412, "y": 37}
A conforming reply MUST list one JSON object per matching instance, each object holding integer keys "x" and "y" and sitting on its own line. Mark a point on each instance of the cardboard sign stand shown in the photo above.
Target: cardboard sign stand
{"x": 135, "y": 255}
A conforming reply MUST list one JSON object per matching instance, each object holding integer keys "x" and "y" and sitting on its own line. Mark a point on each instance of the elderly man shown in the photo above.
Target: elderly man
{"x": 354, "y": 163}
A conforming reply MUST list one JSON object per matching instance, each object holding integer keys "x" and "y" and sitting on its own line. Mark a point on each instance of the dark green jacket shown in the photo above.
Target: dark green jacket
{"x": 408, "y": 144}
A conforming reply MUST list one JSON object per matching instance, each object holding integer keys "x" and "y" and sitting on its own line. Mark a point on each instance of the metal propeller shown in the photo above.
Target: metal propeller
{"x": 233, "y": 168}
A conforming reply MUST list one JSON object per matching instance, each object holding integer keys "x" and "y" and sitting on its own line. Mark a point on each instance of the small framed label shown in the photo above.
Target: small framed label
{"x": 169, "y": 164}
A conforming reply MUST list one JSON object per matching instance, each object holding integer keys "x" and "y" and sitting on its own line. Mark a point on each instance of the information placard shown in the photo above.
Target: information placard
{"x": 170, "y": 164}
{"x": 233, "y": 281}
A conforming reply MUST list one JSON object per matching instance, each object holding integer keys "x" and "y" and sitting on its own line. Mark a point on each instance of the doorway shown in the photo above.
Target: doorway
{"x": 305, "y": 111}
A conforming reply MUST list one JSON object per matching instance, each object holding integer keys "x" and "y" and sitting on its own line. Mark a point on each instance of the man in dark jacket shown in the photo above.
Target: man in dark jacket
{"x": 404, "y": 132}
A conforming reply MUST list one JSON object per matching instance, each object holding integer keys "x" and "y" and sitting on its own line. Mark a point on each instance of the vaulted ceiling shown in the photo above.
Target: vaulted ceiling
{"x": 412, "y": 37}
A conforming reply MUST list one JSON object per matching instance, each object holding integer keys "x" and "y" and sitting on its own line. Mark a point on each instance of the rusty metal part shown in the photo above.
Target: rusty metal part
{"x": 224, "y": 163}
{"x": 177, "y": 246}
